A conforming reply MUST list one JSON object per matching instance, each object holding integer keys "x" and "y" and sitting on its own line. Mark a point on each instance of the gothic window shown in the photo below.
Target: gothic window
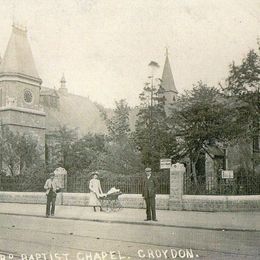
{"x": 28, "y": 96}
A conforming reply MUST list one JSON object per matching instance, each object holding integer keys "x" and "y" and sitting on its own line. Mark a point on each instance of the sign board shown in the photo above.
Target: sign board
{"x": 227, "y": 174}
{"x": 165, "y": 163}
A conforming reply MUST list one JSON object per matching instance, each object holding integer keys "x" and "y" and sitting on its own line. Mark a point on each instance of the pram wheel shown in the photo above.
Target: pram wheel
{"x": 111, "y": 202}
{"x": 116, "y": 205}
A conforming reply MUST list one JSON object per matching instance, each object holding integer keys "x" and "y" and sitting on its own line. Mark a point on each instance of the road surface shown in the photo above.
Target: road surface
{"x": 36, "y": 238}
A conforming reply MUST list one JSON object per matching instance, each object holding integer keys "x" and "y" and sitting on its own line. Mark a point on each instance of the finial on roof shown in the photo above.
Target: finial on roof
{"x": 63, "y": 80}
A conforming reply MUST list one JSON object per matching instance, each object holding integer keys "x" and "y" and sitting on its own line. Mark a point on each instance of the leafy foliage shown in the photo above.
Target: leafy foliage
{"x": 242, "y": 89}
{"x": 118, "y": 126}
{"x": 63, "y": 140}
{"x": 201, "y": 117}
{"x": 152, "y": 132}
{"x": 120, "y": 155}
{"x": 120, "y": 158}
{"x": 18, "y": 151}
{"x": 86, "y": 151}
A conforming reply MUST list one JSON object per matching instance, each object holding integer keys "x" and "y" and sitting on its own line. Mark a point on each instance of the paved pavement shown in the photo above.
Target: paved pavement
{"x": 33, "y": 238}
{"x": 247, "y": 221}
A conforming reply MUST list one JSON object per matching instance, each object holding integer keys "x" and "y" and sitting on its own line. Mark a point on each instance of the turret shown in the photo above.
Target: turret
{"x": 63, "y": 89}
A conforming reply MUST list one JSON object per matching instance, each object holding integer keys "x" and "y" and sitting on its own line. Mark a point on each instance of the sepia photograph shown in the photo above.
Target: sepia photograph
{"x": 129, "y": 129}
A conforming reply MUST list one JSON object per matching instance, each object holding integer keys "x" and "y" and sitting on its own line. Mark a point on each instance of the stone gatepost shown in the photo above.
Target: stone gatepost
{"x": 176, "y": 186}
{"x": 61, "y": 175}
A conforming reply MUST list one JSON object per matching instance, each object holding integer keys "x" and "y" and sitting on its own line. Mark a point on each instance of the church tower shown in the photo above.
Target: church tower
{"x": 20, "y": 86}
{"x": 168, "y": 89}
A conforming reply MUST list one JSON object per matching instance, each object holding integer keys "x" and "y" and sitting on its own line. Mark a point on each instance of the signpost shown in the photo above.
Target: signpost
{"x": 227, "y": 174}
{"x": 165, "y": 163}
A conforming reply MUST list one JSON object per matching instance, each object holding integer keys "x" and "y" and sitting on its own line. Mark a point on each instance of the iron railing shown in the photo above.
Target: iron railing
{"x": 22, "y": 183}
{"x": 80, "y": 183}
{"x": 239, "y": 185}
{"x": 127, "y": 184}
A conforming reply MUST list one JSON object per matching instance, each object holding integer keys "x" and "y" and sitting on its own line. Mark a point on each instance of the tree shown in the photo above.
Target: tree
{"x": 201, "y": 117}
{"x": 120, "y": 155}
{"x": 120, "y": 158}
{"x": 63, "y": 139}
{"x": 242, "y": 88}
{"x": 18, "y": 151}
{"x": 118, "y": 126}
{"x": 86, "y": 152}
{"x": 152, "y": 133}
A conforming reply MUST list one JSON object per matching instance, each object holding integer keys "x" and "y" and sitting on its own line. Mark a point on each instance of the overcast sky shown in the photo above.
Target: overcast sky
{"x": 103, "y": 46}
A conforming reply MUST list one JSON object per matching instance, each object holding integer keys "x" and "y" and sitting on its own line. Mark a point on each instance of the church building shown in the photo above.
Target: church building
{"x": 27, "y": 106}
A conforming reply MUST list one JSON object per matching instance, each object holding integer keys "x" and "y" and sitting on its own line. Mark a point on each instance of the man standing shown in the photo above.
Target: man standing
{"x": 52, "y": 187}
{"x": 149, "y": 193}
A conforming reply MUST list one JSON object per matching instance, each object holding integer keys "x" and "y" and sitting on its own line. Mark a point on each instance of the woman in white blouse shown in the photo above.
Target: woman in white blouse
{"x": 95, "y": 191}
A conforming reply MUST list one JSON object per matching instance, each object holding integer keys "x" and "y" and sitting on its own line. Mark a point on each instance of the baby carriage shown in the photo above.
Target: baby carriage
{"x": 110, "y": 201}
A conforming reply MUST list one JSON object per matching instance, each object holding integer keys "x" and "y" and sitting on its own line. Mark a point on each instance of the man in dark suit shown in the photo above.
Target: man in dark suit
{"x": 52, "y": 188}
{"x": 149, "y": 193}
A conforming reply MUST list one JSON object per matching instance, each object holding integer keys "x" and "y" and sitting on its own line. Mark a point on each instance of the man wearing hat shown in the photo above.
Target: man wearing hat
{"x": 149, "y": 193}
{"x": 52, "y": 187}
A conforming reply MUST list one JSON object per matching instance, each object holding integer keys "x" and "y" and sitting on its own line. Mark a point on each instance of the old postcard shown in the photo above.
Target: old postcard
{"x": 129, "y": 129}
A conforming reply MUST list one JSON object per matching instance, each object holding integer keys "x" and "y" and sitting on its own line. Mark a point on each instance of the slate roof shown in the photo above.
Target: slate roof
{"x": 75, "y": 112}
{"x": 214, "y": 151}
{"x": 18, "y": 56}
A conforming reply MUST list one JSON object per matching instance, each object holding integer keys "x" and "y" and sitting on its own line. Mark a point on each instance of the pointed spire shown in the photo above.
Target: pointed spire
{"x": 18, "y": 58}
{"x": 167, "y": 77}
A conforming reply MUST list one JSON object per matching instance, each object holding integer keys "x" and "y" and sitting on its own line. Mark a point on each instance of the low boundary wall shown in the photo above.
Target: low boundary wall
{"x": 186, "y": 202}
{"x": 179, "y": 201}
{"x": 176, "y": 200}
{"x": 221, "y": 203}
{"x": 79, "y": 199}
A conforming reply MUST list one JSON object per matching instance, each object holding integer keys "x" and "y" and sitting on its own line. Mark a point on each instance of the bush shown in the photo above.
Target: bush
{"x": 32, "y": 180}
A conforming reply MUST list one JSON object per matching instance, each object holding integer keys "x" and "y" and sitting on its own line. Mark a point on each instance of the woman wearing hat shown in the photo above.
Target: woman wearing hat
{"x": 95, "y": 191}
